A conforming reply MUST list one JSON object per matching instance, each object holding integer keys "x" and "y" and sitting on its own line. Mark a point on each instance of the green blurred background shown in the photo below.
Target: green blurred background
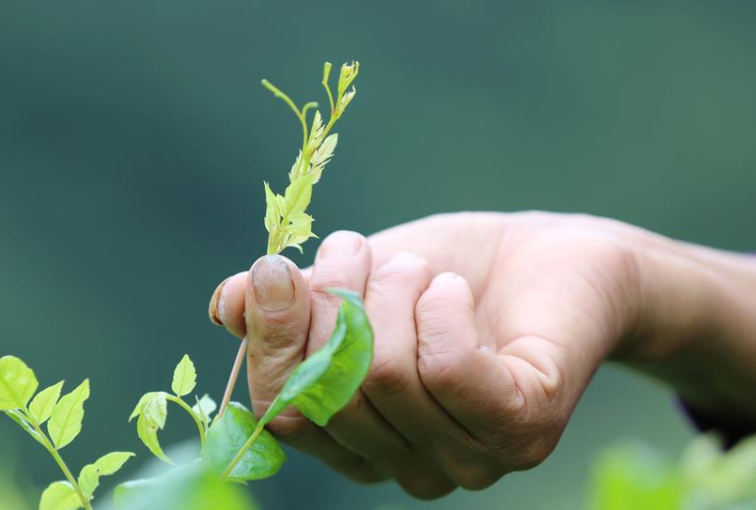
{"x": 134, "y": 139}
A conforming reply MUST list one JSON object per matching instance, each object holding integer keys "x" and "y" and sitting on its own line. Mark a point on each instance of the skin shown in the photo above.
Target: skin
{"x": 488, "y": 328}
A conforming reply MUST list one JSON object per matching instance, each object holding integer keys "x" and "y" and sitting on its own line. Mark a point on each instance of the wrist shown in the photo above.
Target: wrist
{"x": 697, "y": 325}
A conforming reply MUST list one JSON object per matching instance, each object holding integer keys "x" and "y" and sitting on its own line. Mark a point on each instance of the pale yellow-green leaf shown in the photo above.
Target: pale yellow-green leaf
{"x": 147, "y": 432}
{"x": 184, "y": 377}
{"x": 156, "y": 409}
{"x": 272, "y": 214}
{"x": 89, "y": 480}
{"x": 323, "y": 155}
{"x": 297, "y": 168}
{"x": 300, "y": 225}
{"x": 152, "y": 418}
{"x": 111, "y": 463}
{"x": 346, "y": 99}
{"x": 60, "y": 496}
{"x": 204, "y": 408}
{"x": 17, "y": 383}
{"x": 67, "y": 415}
{"x": 298, "y": 194}
{"x": 347, "y": 75}
{"x": 316, "y": 133}
{"x": 142, "y": 401}
{"x": 43, "y": 404}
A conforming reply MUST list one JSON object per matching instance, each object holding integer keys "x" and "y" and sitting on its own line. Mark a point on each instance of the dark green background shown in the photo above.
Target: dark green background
{"x": 134, "y": 139}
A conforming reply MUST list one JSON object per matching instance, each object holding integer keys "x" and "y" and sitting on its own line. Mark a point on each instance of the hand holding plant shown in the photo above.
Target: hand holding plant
{"x": 235, "y": 445}
{"x": 488, "y": 329}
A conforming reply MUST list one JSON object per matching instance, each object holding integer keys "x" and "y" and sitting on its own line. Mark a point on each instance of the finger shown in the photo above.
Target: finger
{"x": 227, "y": 304}
{"x": 277, "y": 322}
{"x": 343, "y": 261}
{"x": 277, "y": 317}
{"x": 393, "y": 384}
{"x": 468, "y": 380}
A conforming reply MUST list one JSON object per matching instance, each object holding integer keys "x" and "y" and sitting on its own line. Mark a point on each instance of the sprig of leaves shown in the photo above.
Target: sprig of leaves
{"x": 152, "y": 409}
{"x": 64, "y": 417}
{"x": 286, "y": 218}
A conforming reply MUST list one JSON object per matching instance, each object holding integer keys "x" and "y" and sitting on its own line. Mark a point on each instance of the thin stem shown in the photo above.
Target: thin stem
{"x": 58, "y": 459}
{"x": 330, "y": 96}
{"x": 233, "y": 377}
{"x": 247, "y": 446}
{"x": 277, "y": 92}
{"x": 197, "y": 420}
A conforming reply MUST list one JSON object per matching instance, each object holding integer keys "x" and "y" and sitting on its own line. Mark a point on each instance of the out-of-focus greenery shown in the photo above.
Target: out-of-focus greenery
{"x": 135, "y": 138}
{"x": 11, "y": 497}
{"x": 636, "y": 476}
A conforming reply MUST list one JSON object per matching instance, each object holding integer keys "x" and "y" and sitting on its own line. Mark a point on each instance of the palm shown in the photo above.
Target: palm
{"x": 543, "y": 284}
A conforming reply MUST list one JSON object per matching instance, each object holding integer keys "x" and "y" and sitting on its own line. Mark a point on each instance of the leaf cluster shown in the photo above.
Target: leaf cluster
{"x": 63, "y": 416}
{"x": 286, "y": 219}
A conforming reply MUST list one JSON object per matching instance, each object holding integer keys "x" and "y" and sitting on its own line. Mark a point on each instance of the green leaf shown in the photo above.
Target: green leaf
{"x": 347, "y": 76}
{"x": 204, "y": 408}
{"x": 19, "y": 418}
{"x": 322, "y": 156}
{"x": 89, "y": 478}
{"x": 17, "y": 383}
{"x": 60, "y": 496}
{"x": 111, "y": 463}
{"x": 184, "y": 377}
{"x": 67, "y": 415}
{"x": 297, "y": 195}
{"x": 142, "y": 401}
{"x": 325, "y": 382}
{"x": 43, "y": 404}
{"x": 272, "y": 215}
{"x": 228, "y": 435}
{"x": 152, "y": 416}
{"x": 316, "y": 133}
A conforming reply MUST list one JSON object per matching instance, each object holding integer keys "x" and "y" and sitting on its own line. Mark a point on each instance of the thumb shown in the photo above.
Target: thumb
{"x": 277, "y": 316}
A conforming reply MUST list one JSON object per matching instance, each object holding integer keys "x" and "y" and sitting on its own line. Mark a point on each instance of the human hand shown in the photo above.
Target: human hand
{"x": 488, "y": 328}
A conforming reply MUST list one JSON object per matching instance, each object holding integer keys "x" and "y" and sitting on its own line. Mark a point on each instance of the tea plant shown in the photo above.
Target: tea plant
{"x": 234, "y": 446}
{"x": 64, "y": 416}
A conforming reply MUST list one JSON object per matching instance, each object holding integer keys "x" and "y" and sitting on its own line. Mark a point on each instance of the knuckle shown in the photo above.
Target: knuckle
{"x": 437, "y": 371}
{"x": 341, "y": 242}
{"x": 364, "y": 473}
{"x": 533, "y": 454}
{"x": 401, "y": 269}
{"x": 472, "y": 470}
{"x": 476, "y": 478}
{"x": 437, "y": 299}
{"x": 386, "y": 375}
{"x": 426, "y": 487}
{"x": 330, "y": 276}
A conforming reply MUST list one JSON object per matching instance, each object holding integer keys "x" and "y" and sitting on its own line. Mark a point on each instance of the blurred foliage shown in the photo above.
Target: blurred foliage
{"x": 636, "y": 476}
{"x": 11, "y": 497}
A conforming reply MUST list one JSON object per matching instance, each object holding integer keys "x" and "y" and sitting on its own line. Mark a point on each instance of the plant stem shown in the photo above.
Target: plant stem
{"x": 58, "y": 460}
{"x": 277, "y": 92}
{"x": 197, "y": 420}
{"x": 247, "y": 446}
{"x": 233, "y": 377}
